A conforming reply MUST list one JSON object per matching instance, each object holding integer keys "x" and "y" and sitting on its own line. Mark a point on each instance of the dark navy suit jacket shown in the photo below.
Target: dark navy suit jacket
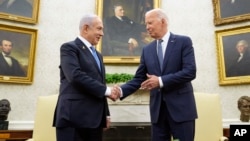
{"x": 81, "y": 102}
{"x": 179, "y": 69}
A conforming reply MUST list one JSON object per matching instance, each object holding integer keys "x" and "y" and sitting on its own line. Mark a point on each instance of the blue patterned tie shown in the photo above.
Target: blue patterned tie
{"x": 96, "y": 57}
{"x": 160, "y": 53}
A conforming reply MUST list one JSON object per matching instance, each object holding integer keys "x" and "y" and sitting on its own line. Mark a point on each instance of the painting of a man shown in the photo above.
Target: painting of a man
{"x": 241, "y": 64}
{"x": 9, "y": 66}
{"x": 17, "y": 50}
{"x": 125, "y": 32}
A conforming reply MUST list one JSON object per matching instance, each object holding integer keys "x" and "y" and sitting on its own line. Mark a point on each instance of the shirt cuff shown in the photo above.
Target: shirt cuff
{"x": 130, "y": 41}
{"x": 108, "y": 91}
{"x": 160, "y": 82}
{"x": 121, "y": 92}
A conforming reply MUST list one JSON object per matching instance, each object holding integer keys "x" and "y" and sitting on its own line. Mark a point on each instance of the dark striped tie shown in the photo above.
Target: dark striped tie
{"x": 160, "y": 53}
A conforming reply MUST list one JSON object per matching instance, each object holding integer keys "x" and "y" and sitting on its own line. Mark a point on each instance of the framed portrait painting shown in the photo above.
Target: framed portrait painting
{"x": 17, "y": 57}
{"x": 20, "y": 10}
{"x": 233, "y": 55}
{"x": 124, "y": 29}
{"x": 231, "y": 11}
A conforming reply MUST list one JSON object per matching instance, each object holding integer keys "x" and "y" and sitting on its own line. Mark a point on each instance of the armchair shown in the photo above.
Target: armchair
{"x": 208, "y": 125}
{"x": 209, "y": 122}
{"x": 43, "y": 130}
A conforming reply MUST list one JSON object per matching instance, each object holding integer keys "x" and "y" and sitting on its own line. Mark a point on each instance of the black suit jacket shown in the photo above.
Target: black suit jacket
{"x": 82, "y": 102}
{"x": 123, "y": 30}
{"x": 14, "y": 70}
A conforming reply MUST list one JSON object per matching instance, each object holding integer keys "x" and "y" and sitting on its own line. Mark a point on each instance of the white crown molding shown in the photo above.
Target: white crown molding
{"x": 21, "y": 125}
{"x": 228, "y": 122}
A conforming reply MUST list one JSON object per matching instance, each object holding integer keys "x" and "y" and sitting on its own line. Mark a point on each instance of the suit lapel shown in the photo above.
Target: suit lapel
{"x": 155, "y": 55}
{"x": 87, "y": 52}
{"x": 170, "y": 46}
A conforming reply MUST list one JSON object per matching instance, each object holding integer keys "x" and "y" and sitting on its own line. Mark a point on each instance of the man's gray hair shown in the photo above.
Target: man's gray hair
{"x": 160, "y": 14}
{"x": 243, "y": 42}
{"x": 87, "y": 20}
{"x": 116, "y": 5}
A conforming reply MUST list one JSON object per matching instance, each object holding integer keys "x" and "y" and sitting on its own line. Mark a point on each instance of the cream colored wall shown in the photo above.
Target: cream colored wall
{"x": 58, "y": 23}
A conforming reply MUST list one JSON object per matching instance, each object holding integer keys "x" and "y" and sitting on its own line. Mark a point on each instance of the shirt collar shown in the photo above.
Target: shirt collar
{"x": 5, "y": 55}
{"x": 87, "y": 43}
{"x": 120, "y": 18}
{"x": 166, "y": 37}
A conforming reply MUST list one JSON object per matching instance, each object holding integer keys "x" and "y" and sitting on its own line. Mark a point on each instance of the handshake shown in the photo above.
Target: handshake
{"x": 115, "y": 93}
{"x": 151, "y": 83}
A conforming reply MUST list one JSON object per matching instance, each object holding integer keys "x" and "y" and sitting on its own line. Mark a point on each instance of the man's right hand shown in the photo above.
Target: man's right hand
{"x": 115, "y": 93}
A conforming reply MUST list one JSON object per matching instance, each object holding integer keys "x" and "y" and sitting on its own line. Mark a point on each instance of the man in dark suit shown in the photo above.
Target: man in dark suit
{"x": 172, "y": 104}
{"x": 241, "y": 64}
{"x": 82, "y": 109}
{"x": 17, "y": 7}
{"x": 9, "y": 66}
{"x": 121, "y": 28}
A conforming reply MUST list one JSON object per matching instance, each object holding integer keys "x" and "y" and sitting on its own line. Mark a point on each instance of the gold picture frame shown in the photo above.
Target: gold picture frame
{"x": 17, "y": 56}
{"x": 116, "y": 49}
{"x": 25, "y": 11}
{"x": 230, "y": 11}
{"x": 232, "y": 68}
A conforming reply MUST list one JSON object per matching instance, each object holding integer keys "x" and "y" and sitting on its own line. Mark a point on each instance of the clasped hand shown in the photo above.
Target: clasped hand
{"x": 115, "y": 93}
{"x": 151, "y": 83}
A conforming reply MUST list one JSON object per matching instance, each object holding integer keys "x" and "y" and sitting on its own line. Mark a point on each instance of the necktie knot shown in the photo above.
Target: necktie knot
{"x": 93, "y": 49}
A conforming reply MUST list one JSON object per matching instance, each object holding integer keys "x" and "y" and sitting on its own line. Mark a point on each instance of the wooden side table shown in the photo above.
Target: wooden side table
{"x": 226, "y": 132}
{"x": 15, "y": 135}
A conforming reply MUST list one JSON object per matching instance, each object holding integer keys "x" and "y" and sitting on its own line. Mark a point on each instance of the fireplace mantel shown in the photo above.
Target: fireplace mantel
{"x": 140, "y": 97}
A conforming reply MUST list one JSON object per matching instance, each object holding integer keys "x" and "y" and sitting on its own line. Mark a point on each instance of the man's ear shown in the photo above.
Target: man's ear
{"x": 85, "y": 28}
